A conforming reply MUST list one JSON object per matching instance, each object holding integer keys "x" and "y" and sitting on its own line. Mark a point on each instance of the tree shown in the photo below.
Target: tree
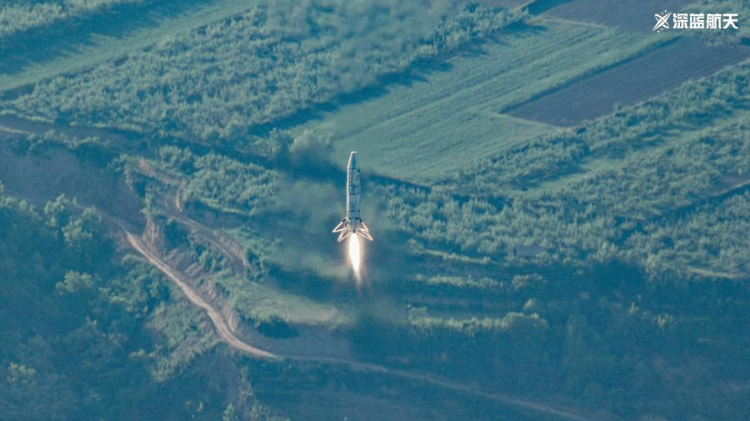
{"x": 229, "y": 414}
{"x": 59, "y": 211}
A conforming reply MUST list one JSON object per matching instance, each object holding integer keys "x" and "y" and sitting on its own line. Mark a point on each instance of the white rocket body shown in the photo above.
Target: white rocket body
{"x": 352, "y": 223}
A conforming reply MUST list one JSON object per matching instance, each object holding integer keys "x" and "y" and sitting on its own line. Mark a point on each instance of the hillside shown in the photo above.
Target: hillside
{"x": 558, "y": 200}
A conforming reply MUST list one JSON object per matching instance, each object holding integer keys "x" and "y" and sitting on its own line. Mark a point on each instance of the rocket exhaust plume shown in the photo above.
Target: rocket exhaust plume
{"x": 352, "y": 225}
{"x": 355, "y": 252}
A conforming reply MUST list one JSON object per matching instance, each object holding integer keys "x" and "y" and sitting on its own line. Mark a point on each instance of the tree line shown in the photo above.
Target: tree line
{"x": 218, "y": 82}
{"x": 17, "y": 16}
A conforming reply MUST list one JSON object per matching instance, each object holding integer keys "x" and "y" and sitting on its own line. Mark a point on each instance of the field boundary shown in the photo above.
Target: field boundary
{"x": 585, "y": 75}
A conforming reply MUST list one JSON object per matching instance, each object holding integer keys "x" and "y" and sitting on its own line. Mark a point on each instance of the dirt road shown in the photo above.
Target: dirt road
{"x": 221, "y": 325}
{"x": 227, "y": 335}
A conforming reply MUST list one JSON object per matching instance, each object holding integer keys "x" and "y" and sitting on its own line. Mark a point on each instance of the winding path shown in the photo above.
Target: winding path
{"x": 227, "y": 335}
{"x": 221, "y": 325}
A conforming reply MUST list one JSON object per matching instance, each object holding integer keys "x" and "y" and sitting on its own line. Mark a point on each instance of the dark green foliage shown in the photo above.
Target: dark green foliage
{"x": 22, "y": 15}
{"x": 729, "y": 35}
{"x": 513, "y": 324}
{"x": 75, "y": 282}
{"x": 73, "y": 341}
{"x": 175, "y": 234}
{"x": 40, "y": 327}
{"x": 181, "y": 160}
{"x": 70, "y": 141}
{"x": 479, "y": 228}
{"x": 640, "y": 128}
{"x": 216, "y": 83}
{"x": 59, "y": 212}
{"x": 90, "y": 148}
{"x": 85, "y": 240}
{"x": 222, "y": 183}
{"x": 712, "y": 238}
{"x": 472, "y": 23}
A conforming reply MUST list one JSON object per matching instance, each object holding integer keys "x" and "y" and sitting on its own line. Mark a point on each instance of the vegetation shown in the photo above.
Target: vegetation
{"x": 460, "y": 282}
{"x": 597, "y": 267}
{"x": 480, "y": 228}
{"x": 730, "y": 36}
{"x": 510, "y": 323}
{"x": 92, "y": 148}
{"x": 708, "y": 239}
{"x": 268, "y": 63}
{"x": 568, "y": 191}
{"x": 44, "y": 323}
{"x": 452, "y": 116}
{"x": 74, "y": 338}
{"x": 222, "y": 183}
{"x": 22, "y": 15}
{"x": 642, "y": 127}
{"x": 604, "y": 310}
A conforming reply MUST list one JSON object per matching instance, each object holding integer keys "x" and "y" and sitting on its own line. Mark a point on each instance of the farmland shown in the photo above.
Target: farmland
{"x": 291, "y": 69}
{"x": 639, "y": 79}
{"x": 19, "y": 17}
{"x": 451, "y": 118}
{"x": 662, "y": 160}
{"x": 638, "y": 15}
{"x": 36, "y": 56}
{"x": 518, "y": 270}
{"x": 630, "y": 15}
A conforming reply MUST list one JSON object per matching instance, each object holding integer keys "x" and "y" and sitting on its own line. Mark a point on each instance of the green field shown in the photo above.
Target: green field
{"x": 279, "y": 60}
{"x": 102, "y": 47}
{"x": 518, "y": 270}
{"x": 425, "y": 128}
{"x": 263, "y": 303}
{"x": 22, "y": 17}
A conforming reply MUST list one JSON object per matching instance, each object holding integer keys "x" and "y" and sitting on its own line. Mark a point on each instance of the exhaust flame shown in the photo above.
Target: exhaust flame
{"x": 355, "y": 252}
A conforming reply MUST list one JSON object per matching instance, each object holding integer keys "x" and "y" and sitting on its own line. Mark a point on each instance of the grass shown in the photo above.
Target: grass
{"x": 423, "y": 128}
{"x": 102, "y": 47}
{"x": 630, "y": 82}
{"x": 255, "y": 69}
{"x": 20, "y": 18}
{"x": 261, "y": 301}
{"x": 682, "y": 170}
{"x": 264, "y": 303}
{"x": 187, "y": 334}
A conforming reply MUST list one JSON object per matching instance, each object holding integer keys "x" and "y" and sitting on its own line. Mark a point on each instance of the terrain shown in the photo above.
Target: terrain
{"x": 558, "y": 200}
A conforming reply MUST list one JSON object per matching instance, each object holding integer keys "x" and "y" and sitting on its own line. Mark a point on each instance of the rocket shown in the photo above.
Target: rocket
{"x": 352, "y": 223}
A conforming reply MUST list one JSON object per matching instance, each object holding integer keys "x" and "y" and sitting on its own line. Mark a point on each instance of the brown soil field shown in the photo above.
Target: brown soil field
{"x": 633, "y": 15}
{"x": 629, "y": 82}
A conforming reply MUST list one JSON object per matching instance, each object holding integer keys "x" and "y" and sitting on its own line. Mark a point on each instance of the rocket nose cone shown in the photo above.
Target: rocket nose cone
{"x": 353, "y": 162}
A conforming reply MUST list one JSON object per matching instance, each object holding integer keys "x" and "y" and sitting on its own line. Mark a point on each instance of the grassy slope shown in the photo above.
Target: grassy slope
{"x": 263, "y": 303}
{"x": 102, "y": 48}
